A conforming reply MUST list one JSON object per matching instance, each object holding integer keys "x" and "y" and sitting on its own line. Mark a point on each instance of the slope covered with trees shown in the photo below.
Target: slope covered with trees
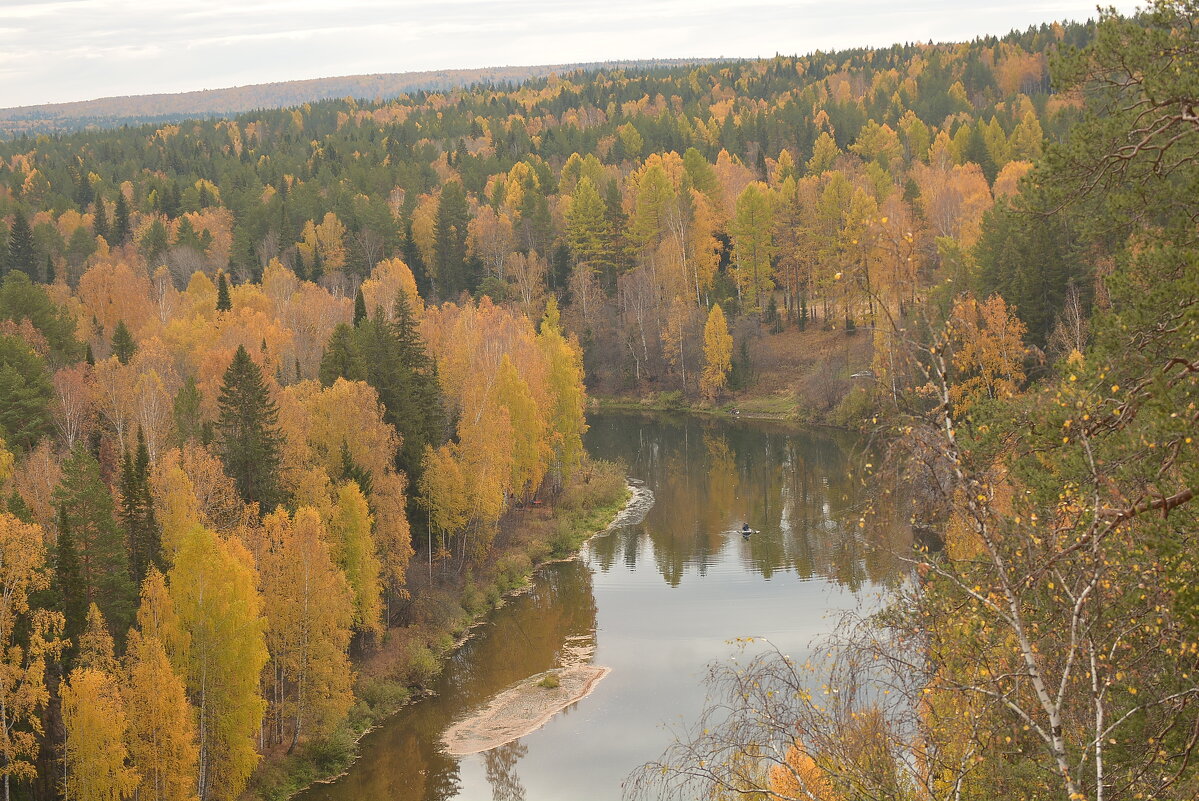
{"x": 250, "y": 363}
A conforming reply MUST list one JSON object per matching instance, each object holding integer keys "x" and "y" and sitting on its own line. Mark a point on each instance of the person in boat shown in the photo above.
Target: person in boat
{"x": 746, "y": 530}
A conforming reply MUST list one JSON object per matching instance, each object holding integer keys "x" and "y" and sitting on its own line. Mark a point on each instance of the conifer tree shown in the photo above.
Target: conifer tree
{"x": 121, "y": 228}
{"x": 68, "y": 581}
{"x": 359, "y": 307}
{"x": 189, "y": 423}
{"x": 123, "y": 346}
{"x": 223, "y": 302}
{"x": 449, "y": 249}
{"x": 21, "y": 255}
{"x": 249, "y": 440}
{"x": 87, "y": 511}
{"x": 154, "y": 241}
{"x": 342, "y": 357}
{"x": 137, "y": 512}
{"x": 419, "y": 414}
{"x": 100, "y": 220}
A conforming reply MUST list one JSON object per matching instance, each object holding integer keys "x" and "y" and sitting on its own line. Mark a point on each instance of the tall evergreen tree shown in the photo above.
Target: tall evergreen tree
{"x": 87, "y": 511}
{"x": 189, "y": 422}
{"x": 154, "y": 241}
{"x": 450, "y": 258}
{"x": 21, "y": 254}
{"x": 248, "y": 436}
{"x": 68, "y": 580}
{"x": 137, "y": 512}
{"x": 121, "y": 228}
{"x": 359, "y": 307}
{"x": 100, "y": 220}
{"x": 342, "y": 357}
{"x": 123, "y": 346}
{"x": 223, "y": 302}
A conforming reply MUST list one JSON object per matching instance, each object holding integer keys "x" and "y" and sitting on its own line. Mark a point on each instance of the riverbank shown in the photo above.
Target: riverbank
{"x": 443, "y": 608}
{"x": 799, "y": 376}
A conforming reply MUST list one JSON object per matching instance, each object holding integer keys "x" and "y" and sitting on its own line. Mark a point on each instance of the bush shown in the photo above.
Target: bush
{"x": 423, "y": 666}
{"x": 854, "y": 409}
{"x": 550, "y": 682}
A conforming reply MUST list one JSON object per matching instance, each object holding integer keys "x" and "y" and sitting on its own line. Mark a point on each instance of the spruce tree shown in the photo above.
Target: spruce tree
{"x": 100, "y": 220}
{"x": 123, "y": 346}
{"x": 137, "y": 512}
{"x": 223, "y": 302}
{"x": 342, "y": 357}
{"x": 68, "y": 580}
{"x": 359, "y": 307}
{"x": 121, "y": 230}
{"x": 248, "y": 437}
{"x": 154, "y": 241}
{"x": 87, "y": 509}
{"x": 189, "y": 423}
{"x": 449, "y": 249}
{"x": 21, "y": 255}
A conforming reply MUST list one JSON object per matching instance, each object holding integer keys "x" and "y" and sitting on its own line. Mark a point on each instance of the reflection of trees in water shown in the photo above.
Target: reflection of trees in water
{"x": 406, "y": 761}
{"x": 708, "y": 477}
{"x": 499, "y": 764}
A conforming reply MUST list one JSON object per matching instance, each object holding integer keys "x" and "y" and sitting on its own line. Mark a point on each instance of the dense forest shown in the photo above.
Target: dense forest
{"x": 251, "y": 364}
{"x": 113, "y": 112}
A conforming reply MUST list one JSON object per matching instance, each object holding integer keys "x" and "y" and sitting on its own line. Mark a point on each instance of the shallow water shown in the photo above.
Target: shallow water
{"x": 658, "y": 601}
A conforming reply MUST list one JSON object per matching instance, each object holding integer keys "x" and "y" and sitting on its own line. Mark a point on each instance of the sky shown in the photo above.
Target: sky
{"x": 61, "y": 50}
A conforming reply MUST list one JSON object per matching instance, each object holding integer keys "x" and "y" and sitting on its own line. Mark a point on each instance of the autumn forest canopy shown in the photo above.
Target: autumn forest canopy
{"x": 270, "y": 384}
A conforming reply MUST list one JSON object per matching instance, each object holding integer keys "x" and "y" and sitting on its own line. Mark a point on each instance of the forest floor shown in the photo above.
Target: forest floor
{"x": 794, "y": 375}
{"x": 445, "y": 602}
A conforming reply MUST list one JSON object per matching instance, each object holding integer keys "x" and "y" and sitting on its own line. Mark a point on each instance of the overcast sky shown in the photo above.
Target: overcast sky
{"x": 62, "y": 50}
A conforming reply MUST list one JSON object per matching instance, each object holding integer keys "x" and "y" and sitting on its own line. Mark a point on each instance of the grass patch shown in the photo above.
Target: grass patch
{"x": 550, "y": 682}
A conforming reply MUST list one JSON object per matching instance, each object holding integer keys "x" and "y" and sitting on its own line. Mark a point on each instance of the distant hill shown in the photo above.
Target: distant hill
{"x": 110, "y": 112}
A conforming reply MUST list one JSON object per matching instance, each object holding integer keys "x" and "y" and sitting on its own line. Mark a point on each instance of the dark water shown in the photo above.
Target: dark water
{"x": 658, "y": 601}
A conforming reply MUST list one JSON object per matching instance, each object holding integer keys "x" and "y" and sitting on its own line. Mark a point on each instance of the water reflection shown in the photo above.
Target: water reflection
{"x": 709, "y": 477}
{"x": 656, "y": 601}
{"x": 405, "y": 760}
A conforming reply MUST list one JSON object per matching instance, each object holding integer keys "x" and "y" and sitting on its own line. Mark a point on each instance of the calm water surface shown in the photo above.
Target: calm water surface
{"x": 658, "y": 601}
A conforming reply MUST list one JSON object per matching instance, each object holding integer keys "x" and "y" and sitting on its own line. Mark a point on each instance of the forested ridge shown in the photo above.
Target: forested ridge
{"x": 251, "y": 368}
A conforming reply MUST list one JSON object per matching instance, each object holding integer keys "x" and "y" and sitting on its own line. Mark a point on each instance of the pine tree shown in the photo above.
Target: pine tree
{"x": 248, "y": 437}
{"x": 137, "y": 512}
{"x": 87, "y": 512}
{"x": 123, "y": 346}
{"x": 121, "y": 229}
{"x": 21, "y": 254}
{"x": 223, "y": 302}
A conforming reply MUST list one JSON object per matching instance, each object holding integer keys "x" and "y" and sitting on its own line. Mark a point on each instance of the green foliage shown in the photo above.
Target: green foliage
{"x": 21, "y": 299}
{"x": 248, "y": 437}
{"x": 123, "y": 346}
{"x": 86, "y": 506}
{"x": 223, "y": 303}
{"x": 136, "y": 513}
{"x": 25, "y": 393}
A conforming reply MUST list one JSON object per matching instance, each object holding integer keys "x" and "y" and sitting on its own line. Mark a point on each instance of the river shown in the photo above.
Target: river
{"x": 657, "y": 602}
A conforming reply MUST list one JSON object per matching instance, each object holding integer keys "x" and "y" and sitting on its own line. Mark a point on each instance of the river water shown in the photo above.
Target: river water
{"x": 657, "y": 601}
